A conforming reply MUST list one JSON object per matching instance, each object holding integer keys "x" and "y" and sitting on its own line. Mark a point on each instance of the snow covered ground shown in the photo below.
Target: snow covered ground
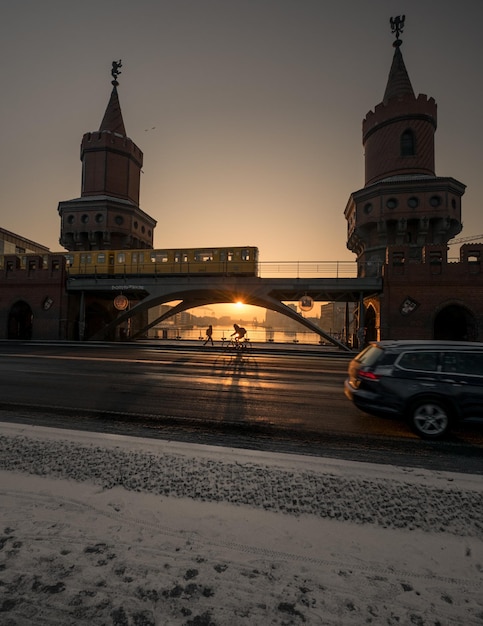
{"x": 101, "y": 529}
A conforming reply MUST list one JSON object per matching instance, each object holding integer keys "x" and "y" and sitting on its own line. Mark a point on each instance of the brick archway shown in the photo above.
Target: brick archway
{"x": 20, "y": 321}
{"x": 370, "y": 324}
{"x": 455, "y": 322}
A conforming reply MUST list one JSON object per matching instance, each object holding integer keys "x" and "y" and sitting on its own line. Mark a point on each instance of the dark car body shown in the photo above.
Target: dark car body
{"x": 430, "y": 383}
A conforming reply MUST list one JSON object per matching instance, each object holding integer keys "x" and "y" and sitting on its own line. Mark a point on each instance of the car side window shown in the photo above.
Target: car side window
{"x": 463, "y": 363}
{"x": 419, "y": 361}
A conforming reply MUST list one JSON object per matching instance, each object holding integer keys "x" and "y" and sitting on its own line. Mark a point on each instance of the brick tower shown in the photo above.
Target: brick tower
{"x": 403, "y": 202}
{"x": 107, "y": 215}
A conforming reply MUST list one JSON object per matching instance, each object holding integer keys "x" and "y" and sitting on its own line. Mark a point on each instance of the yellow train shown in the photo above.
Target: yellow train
{"x": 241, "y": 261}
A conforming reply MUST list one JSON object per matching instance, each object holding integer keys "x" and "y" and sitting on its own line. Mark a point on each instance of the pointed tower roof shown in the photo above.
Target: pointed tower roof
{"x": 112, "y": 120}
{"x": 398, "y": 83}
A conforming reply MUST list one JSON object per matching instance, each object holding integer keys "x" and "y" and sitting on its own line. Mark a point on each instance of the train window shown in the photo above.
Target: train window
{"x": 32, "y": 264}
{"x": 69, "y": 260}
{"x": 159, "y": 256}
{"x": 245, "y": 254}
{"x": 137, "y": 257}
{"x": 121, "y": 257}
{"x": 85, "y": 259}
{"x": 203, "y": 256}
{"x": 180, "y": 257}
{"x": 101, "y": 257}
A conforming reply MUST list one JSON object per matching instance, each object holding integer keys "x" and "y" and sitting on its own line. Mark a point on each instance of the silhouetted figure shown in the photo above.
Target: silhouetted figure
{"x": 239, "y": 333}
{"x": 209, "y": 335}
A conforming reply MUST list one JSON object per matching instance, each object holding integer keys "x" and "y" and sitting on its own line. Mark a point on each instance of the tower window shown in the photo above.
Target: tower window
{"x": 408, "y": 143}
{"x": 435, "y": 201}
{"x": 392, "y": 203}
{"x": 413, "y": 202}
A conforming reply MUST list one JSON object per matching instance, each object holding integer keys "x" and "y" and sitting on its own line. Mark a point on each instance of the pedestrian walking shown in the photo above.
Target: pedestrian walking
{"x": 209, "y": 335}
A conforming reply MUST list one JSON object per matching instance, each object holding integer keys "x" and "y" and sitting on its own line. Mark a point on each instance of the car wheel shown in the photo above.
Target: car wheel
{"x": 430, "y": 418}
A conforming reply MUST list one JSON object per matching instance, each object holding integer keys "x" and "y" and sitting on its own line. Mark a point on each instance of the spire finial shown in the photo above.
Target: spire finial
{"x": 397, "y": 27}
{"x": 115, "y": 72}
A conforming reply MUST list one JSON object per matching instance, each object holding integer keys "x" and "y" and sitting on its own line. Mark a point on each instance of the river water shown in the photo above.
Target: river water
{"x": 221, "y": 333}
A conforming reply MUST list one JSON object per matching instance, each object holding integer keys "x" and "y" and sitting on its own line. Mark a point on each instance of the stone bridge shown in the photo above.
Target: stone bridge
{"x": 196, "y": 291}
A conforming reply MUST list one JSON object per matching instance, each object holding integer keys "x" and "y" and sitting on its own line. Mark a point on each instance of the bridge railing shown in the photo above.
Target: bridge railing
{"x": 266, "y": 269}
{"x": 314, "y": 269}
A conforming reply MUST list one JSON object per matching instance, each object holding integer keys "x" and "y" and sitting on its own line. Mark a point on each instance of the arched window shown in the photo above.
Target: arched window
{"x": 408, "y": 143}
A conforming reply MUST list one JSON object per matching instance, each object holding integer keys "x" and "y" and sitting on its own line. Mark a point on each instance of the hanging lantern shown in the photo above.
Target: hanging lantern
{"x": 306, "y": 303}
{"x": 121, "y": 303}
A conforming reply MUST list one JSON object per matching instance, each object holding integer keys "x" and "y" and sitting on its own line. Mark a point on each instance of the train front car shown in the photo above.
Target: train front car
{"x": 234, "y": 261}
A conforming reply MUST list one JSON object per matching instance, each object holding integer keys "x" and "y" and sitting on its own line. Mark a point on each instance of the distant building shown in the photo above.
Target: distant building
{"x": 337, "y": 319}
{"x": 10, "y": 243}
{"x": 277, "y": 321}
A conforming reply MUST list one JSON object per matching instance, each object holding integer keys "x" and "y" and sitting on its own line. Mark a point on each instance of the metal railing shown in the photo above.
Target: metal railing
{"x": 316, "y": 269}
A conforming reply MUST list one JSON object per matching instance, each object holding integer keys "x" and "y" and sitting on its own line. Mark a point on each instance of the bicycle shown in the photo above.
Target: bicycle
{"x": 239, "y": 345}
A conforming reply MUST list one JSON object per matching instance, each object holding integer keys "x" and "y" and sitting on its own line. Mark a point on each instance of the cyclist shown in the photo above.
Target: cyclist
{"x": 239, "y": 333}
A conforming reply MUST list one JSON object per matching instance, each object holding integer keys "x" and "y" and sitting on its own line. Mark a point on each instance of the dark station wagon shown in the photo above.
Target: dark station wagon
{"x": 432, "y": 384}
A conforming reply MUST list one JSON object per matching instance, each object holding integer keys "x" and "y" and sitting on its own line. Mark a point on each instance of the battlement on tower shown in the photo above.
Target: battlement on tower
{"x": 107, "y": 140}
{"x": 403, "y": 107}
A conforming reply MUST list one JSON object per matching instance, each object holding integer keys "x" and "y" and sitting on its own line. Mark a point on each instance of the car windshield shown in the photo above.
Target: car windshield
{"x": 369, "y": 355}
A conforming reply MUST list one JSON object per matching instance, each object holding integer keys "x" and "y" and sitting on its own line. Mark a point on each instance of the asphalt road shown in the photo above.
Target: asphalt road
{"x": 268, "y": 398}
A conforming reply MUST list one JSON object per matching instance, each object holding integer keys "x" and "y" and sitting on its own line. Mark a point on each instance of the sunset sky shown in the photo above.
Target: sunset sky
{"x": 248, "y": 112}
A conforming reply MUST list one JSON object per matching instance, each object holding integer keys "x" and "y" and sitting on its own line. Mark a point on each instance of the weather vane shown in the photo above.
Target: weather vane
{"x": 115, "y": 72}
{"x": 397, "y": 27}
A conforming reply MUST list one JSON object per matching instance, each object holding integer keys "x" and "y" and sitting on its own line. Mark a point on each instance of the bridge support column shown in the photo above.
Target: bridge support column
{"x": 362, "y": 322}
{"x": 82, "y": 316}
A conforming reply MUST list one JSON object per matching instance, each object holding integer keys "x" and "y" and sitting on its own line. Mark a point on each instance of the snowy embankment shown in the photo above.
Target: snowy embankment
{"x": 103, "y": 529}
{"x": 386, "y": 503}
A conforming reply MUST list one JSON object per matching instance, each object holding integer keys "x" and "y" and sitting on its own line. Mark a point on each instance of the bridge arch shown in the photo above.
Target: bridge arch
{"x": 191, "y": 292}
